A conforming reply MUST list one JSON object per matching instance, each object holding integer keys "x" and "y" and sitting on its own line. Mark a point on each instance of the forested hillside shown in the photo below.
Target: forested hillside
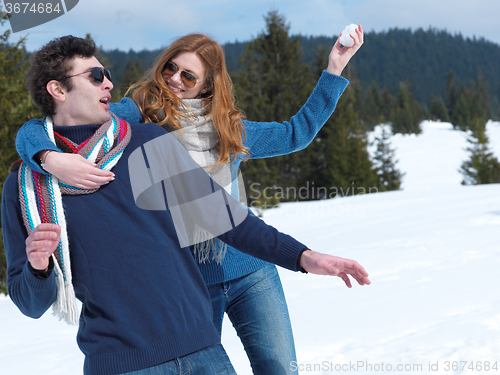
{"x": 421, "y": 57}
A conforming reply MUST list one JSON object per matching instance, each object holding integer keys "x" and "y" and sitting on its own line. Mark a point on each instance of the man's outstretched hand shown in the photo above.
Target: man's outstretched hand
{"x": 324, "y": 264}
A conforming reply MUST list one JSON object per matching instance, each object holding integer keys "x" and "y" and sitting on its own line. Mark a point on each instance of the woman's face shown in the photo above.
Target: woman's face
{"x": 186, "y": 69}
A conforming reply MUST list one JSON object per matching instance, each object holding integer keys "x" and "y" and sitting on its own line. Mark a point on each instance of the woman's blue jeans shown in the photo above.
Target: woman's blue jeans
{"x": 209, "y": 361}
{"x": 256, "y": 306}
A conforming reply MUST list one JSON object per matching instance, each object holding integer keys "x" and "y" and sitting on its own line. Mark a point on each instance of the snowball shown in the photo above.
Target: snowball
{"x": 345, "y": 39}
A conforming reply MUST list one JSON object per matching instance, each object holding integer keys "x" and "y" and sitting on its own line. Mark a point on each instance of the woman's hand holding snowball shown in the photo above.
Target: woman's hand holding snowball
{"x": 340, "y": 55}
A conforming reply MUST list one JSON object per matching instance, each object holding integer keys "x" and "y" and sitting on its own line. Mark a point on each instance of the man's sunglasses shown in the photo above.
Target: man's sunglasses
{"x": 187, "y": 78}
{"x": 98, "y": 74}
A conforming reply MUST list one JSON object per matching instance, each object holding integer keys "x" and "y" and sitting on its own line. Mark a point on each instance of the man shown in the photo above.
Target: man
{"x": 144, "y": 303}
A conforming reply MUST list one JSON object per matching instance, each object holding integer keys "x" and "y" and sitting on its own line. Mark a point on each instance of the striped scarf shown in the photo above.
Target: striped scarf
{"x": 41, "y": 199}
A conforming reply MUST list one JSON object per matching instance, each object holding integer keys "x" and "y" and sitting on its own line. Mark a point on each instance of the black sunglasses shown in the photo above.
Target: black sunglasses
{"x": 98, "y": 74}
{"x": 187, "y": 78}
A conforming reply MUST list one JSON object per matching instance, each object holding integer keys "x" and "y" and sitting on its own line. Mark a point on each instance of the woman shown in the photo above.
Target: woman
{"x": 188, "y": 90}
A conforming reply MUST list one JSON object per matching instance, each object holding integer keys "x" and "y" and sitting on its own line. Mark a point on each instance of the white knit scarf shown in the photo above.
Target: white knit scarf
{"x": 199, "y": 137}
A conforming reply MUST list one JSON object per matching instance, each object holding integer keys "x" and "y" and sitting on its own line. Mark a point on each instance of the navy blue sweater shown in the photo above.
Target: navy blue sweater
{"x": 144, "y": 299}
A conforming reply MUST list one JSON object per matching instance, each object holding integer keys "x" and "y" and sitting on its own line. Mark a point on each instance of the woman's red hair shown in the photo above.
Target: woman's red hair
{"x": 160, "y": 105}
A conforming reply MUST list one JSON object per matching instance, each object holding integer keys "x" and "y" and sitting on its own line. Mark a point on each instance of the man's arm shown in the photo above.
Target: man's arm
{"x": 163, "y": 175}
{"x": 263, "y": 241}
{"x": 30, "y": 277}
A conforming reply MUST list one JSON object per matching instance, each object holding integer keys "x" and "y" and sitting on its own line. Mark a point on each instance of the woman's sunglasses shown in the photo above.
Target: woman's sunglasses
{"x": 187, "y": 78}
{"x": 98, "y": 74}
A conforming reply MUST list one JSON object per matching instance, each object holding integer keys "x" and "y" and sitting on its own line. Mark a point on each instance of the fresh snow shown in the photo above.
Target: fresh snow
{"x": 433, "y": 258}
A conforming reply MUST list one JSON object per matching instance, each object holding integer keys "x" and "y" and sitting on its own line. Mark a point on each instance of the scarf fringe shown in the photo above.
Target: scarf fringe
{"x": 207, "y": 245}
{"x": 65, "y": 306}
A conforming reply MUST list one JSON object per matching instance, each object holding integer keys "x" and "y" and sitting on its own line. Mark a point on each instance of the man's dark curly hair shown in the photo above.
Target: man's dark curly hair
{"x": 53, "y": 62}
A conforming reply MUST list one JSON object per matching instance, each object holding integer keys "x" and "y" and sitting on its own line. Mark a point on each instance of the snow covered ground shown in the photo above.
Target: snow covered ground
{"x": 433, "y": 255}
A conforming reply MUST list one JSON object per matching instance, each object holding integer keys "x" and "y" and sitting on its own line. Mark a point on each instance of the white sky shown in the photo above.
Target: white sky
{"x": 152, "y": 24}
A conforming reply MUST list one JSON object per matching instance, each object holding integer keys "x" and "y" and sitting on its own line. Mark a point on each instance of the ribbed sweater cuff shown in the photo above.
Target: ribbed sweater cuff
{"x": 289, "y": 254}
{"x": 34, "y": 149}
{"x": 333, "y": 80}
{"x": 38, "y": 284}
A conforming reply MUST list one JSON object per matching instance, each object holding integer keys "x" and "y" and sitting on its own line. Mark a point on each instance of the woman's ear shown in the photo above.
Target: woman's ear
{"x": 56, "y": 90}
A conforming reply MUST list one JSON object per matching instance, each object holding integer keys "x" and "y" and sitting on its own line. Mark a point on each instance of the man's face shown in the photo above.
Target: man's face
{"x": 87, "y": 102}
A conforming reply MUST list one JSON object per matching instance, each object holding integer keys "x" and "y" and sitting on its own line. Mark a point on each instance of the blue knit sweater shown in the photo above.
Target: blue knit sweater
{"x": 264, "y": 139}
{"x": 144, "y": 299}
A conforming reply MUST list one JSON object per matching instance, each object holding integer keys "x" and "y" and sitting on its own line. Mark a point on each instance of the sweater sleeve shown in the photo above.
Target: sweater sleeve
{"x": 31, "y": 138}
{"x": 127, "y": 110}
{"x": 31, "y": 293}
{"x": 254, "y": 237}
{"x": 267, "y": 139}
{"x": 164, "y": 176}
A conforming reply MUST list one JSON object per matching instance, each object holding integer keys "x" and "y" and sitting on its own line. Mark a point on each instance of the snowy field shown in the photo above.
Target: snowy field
{"x": 433, "y": 255}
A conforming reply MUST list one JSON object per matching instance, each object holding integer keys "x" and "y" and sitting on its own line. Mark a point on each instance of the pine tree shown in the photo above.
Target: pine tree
{"x": 437, "y": 109}
{"x": 99, "y": 55}
{"x": 132, "y": 74}
{"x": 407, "y": 115}
{"x": 482, "y": 98}
{"x": 388, "y": 176}
{"x": 482, "y": 167}
{"x": 320, "y": 60}
{"x": 388, "y": 105}
{"x": 473, "y": 103}
{"x": 358, "y": 100}
{"x": 463, "y": 116}
{"x": 15, "y": 109}
{"x": 372, "y": 108}
{"x": 452, "y": 95}
{"x": 272, "y": 85}
{"x": 341, "y": 165}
